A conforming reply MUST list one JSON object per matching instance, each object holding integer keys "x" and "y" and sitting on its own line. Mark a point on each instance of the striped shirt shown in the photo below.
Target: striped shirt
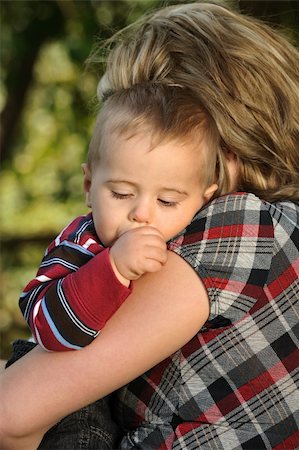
{"x": 75, "y": 290}
{"x": 235, "y": 384}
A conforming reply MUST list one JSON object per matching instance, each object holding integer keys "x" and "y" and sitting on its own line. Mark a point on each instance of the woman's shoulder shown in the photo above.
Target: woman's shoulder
{"x": 248, "y": 202}
{"x": 230, "y": 216}
{"x": 238, "y": 214}
{"x": 235, "y": 207}
{"x": 232, "y": 244}
{"x": 255, "y": 215}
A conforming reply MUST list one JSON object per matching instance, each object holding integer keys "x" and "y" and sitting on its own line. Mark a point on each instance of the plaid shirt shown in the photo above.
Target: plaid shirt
{"x": 235, "y": 384}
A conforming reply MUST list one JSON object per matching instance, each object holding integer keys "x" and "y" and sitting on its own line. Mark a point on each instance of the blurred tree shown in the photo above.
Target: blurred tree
{"x": 277, "y": 12}
{"x": 29, "y": 27}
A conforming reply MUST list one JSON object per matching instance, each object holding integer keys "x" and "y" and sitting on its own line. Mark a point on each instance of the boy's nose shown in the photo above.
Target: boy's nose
{"x": 141, "y": 214}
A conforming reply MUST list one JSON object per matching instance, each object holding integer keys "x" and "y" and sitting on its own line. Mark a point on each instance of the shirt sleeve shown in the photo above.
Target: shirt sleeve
{"x": 229, "y": 244}
{"x": 75, "y": 291}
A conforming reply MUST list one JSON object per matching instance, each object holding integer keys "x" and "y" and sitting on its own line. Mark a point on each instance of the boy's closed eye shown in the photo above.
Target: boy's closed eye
{"x": 124, "y": 196}
{"x": 121, "y": 196}
{"x": 168, "y": 203}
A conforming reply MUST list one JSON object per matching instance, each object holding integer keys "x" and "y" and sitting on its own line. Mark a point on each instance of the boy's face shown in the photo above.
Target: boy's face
{"x": 136, "y": 186}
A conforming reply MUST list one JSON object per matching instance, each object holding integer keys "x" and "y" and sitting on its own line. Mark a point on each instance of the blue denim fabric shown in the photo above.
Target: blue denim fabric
{"x": 90, "y": 428}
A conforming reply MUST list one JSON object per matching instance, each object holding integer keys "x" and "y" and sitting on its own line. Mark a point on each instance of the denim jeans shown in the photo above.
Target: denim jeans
{"x": 90, "y": 428}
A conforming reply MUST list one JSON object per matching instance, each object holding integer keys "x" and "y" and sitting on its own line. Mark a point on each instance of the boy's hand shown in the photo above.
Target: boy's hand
{"x": 136, "y": 252}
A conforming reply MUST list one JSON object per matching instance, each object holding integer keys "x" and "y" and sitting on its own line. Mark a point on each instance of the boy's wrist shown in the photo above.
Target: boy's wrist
{"x": 123, "y": 280}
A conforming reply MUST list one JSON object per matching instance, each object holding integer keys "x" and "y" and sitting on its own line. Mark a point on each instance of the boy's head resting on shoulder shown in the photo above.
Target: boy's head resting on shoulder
{"x": 152, "y": 161}
{"x": 243, "y": 74}
{"x": 167, "y": 113}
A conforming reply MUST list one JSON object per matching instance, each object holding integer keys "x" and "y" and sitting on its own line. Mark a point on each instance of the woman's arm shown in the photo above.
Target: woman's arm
{"x": 165, "y": 311}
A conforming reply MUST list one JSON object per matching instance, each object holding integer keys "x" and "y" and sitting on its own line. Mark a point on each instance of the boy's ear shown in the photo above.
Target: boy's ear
{"x": 86, "y": 183}
{"x": 233, "y": 167}
{"x": 210, "y": 191}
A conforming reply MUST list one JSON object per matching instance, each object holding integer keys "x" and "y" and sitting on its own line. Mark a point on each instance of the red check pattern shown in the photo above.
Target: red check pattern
{"x": 235, "y": 384}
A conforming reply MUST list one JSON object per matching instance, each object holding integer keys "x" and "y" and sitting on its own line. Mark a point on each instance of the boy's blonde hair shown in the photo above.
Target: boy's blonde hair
{"x": 166, "y": 113}
{"x": 243, "y": 74}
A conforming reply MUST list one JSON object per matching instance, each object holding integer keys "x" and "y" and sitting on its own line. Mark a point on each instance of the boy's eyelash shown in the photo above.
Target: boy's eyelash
{"x": 119, "y": 196}
{"x": 165, "y": 203}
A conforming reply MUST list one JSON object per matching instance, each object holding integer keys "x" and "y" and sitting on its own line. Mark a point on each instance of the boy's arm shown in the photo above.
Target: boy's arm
{"x": 75, "y": 291}
{"x": 165, "y": 310}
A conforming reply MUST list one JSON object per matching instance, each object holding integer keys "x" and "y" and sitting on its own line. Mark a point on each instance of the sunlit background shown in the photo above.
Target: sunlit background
{"x": 47, "y": 103}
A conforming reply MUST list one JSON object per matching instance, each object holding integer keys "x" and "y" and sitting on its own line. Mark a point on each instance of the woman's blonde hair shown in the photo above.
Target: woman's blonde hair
{"x": 244, "y": 74}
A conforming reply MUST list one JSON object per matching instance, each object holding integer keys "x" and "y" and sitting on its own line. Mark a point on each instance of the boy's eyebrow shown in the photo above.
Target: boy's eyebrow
{"x": 164, "y": 188}
{"x": 118, "y": 180}
{"x": 177, "y": 191}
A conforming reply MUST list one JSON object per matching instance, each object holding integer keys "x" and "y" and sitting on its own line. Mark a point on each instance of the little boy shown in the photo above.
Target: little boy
{"x": 146, "y": 177}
